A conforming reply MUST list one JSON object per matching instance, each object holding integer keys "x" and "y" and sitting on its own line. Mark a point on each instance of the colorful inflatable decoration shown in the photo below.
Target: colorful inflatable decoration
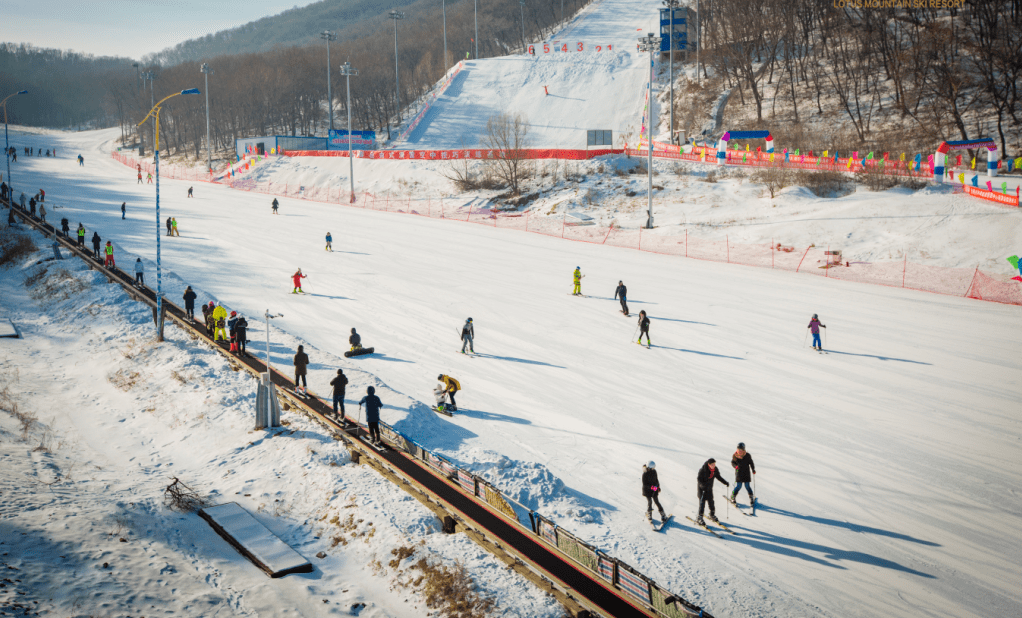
{"x": 940, "y": 157}
{"x": 1015, "y": 263}
{"x": 730, "y": 135}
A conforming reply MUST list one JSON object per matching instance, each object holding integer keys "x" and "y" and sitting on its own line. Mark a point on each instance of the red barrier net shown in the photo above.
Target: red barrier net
{"x": 175, "y": 172}
{"x": 444, "y": 155}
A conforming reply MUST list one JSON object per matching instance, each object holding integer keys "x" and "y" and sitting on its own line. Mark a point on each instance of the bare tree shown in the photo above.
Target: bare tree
{"x": 508, "y": 137}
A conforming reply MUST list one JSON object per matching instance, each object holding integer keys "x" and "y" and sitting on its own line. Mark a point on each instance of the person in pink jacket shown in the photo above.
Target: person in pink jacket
{"x": 297, "y": 279}
{"x": 814, "y": 327}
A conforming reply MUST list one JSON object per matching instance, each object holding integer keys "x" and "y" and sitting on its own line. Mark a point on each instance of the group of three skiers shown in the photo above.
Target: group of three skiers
{"x": 744, "y": 467}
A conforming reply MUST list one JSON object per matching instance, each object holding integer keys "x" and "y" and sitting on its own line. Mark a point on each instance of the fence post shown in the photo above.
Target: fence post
{"x": 727, "y": 245}
{"x": 972, "y": 282}
{"x": 904, "y": 268}
{"x": 771, "y": 253}
{"x": 826, "y": 270}
{"x": 803, "y": 257}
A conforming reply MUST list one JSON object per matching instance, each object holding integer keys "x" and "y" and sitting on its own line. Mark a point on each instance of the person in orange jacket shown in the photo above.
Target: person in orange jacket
{"x": 297, "y": 280}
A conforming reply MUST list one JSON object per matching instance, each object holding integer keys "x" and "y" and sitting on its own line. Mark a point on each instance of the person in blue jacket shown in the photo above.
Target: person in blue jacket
{"x": 329, "y": 242}
{"x": 373, "y": 405}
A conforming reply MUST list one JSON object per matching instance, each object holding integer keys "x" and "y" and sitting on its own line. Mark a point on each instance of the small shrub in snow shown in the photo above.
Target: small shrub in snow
{"x": 15, "y": 247}
{"x": 179, "y": 497}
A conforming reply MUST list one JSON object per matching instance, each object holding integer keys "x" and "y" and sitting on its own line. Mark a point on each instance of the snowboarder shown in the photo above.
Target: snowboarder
{"x": 275, "y": 204}
{"x": 741, "y": 461}
{"x": 109, "y": 249}
{"x": 467, "y": 336}
{"x": 139, "y": 272}
{"x": 621, "y": 292}
{"x": 643, "y": 327}
{"x": 124, "y": 208}
{"x": 241, "y": 335}
{"x": 329, "y": 242}
{"x": 355, "y": 340}
{"x": 814, "y": 327}
{"x": 219, "y": 323}
{"x": 339, "y": 383}
{"x": 81, "y": 234}
{"x": 190, "y": 192}
{"x": 301, "y": 362}
{"x": 651, "y": 490}
{"x": 373, "y": 405}
{"x": 704, "y": 481}
{"x": 578, "y": 281}
{"x": 173, "y": 227}
{"x": 168, "y": 226}
{"x": 189, "y": 298}
{"x": 231, "y": 324}
{"x": 96, "y": 240}
{"x": 453, "y": 386}
{"x": 297, "y": 279}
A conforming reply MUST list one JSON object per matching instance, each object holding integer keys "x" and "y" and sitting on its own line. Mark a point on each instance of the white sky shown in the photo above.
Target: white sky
{"x": 126, "y": 28}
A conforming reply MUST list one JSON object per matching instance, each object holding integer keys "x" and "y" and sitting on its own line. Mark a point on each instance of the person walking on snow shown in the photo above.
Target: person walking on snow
{"x": 219, "y": 323}
{"x": 81, "y": 160}
{"x": 704, "y": 482}
{"x": 124, "y": 209}
{"x": 65, "y": 225}
{"x": 355, "y": 340}
{"x": 275, "y": 204}
{"x": 339, "y": 383}
{"x": 297, "y": 279}
{"x": 168, "y": 226}
{"x": 139, "y": 178}
{"x": 301, "y": 362}
{"x": 373, "y": 405}
{"x": 741, "y": 461}
{"x": 96, "y": 240}
{"x": 241, "y": 335}
{"x": 42, "y": 212}
{"x": 651, "y": 490}
{"x": 643, "y": 327}
{"x": 173, "y": 227}
{"x": 468, "y": 334}
{"x": 621, "y": 292}
{"x": 81, "y": 234}
{"x": 189, "y": 298}
{"x": 453, "y": 386}
{"x": 109, "y": 249}
{"x": 329, "y": 242}
{"x": 139, "y": 272}
{"x": 578, "y": 281}
{"x": 814, "y": 327}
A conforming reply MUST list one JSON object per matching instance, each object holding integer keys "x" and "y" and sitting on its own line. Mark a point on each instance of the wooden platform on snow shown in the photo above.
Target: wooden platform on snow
{"x": 254, "y": 540}
{"x": 7, "y": 329}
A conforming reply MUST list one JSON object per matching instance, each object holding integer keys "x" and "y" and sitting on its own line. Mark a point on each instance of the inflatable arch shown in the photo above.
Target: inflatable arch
{"x": 946, "y": 147}
{"x": 728, "y": 136}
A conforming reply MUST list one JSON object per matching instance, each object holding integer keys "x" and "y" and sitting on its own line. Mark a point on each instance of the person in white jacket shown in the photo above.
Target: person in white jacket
{"x": 139, "y": 272}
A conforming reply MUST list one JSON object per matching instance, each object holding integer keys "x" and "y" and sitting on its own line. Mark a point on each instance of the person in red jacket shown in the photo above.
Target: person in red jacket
{"x": 297, "y": 279}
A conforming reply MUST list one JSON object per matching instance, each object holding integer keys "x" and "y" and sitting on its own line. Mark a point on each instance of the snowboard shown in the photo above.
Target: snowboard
{"x": 444, "y": 411}
{"x": 358, "y": 352}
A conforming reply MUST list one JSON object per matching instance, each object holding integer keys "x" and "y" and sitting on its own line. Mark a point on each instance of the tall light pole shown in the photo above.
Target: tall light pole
{"x": 152, "y": 97}
{"x": 7, "y": 146}
{"x": 328, "y": 36}
{"x": 671, "y": 5}
{"x": 209, "y": 157}
{"x": 347, "y": 72}
{"x": 521, "y": 6}
{"x": 443, "y": 6}
{"x": 475, "y": 4}
{"x": 155, "y": 113}
{"x": 650, "y": 43}
{"x": 396, "y": 15}
{"x": 699, "y": 79}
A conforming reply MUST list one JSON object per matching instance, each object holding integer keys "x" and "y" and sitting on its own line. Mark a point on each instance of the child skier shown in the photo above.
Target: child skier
{"x": 741, "y": 461}
{"x": 814, "y": 327}
{"x": 578, "y": 281}
{"x": 109, "y": 249}
{"x": 651, "y": 490}
{"x": 440, "y": 393}
{"x": 643, "y": 328}
{"x": 704, "y": 482}
{"x": 297, "y": 279}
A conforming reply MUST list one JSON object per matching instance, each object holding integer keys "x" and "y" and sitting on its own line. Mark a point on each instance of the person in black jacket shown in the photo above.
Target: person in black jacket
{"x": 65, "y": 226}
{"x": 468, "y": 333}
{"x": 339, "y": 383}
{"x": 741, "y": 461}
{"x": 704, "y": 481}
{"x": 189, "y": 297}
{"x": 373, "y": 405}
{"x": 621, "y": 292}
{"x": 168, "y": 226}
{"x": 651, "y": 489}
{"x": 301, "y": 363}
{"x": 96, "y": 241}
{"x": 241, "y": 335}
{"x": 643, "y": 327}
{"x": 355, "y": 340}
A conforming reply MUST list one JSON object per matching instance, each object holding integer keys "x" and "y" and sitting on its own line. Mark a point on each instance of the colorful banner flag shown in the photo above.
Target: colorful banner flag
{"x": 975, "y": 181}
{"x": 973, "y": 166}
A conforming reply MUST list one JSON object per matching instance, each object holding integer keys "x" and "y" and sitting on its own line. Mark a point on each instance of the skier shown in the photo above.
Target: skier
{"x": 297, "y": 279}
{"x": 339, "y": 383}
{"x": 467, "y": 336}
{"x": 109, "y": 249}
{"x": 168, "y": 226}
{"x": 81, "y": 234}
{"x": 814, "y": 327}
{"x": 241, "y": 335}
{"x": 173, "y": 227}
{"x": 219, "y": 323}
{"x": 621, "y": 292}
{"x": 355, "y": 340}
{"x": 329, "y": 242}
{"x": 96, "y": 240}
{"x": 741, "y": 461}
{"x": 231, "y": 324}
{"x": 139, "y": 272}
{"x": 578, "y": 281}
{"x": 149, "y": 178}
{"x": 190, "y": 192}
{"x": 373, "y": 405}
{"x": 275, "y": 204}
{"x": 301, "y": 362}
{"x": 139, "y": 178}
{"x": 643, "y": 327}
{"x": 651, "y": 490}
{"x": 440, "y": 393}
{"x": 453, "y": 386}
{"x": 704, "y": 480}
{"x": 31, "y": 206}
{"x": 81, "y": 160}
{"x": 42, "y": 213}
{"x": 65, "y": 225}
{"x": 124, "y": 208}
{"x": 207, "y": 318}
{"x": 189, "y": 297}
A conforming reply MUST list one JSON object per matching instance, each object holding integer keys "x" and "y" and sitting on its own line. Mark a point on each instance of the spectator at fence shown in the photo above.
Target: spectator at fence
{"x": 139, "y": 272}
{"x": 96, "y": 240}
{"x": 109, "y": 249}
{"x": 189, "y": 298}
{"x": 373, "y": 405}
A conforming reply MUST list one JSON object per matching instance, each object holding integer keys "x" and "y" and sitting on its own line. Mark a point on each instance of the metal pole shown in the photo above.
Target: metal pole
{"x": 396, "y": 15}
{"x": 347, "y": 71}
{"x": 267, "y": 316}
{"x": 475, "y": 3}
{"x": 670, "y": 7}
{"x": 209, "y": 157}
{"x": 7, "y": 152}
{"x": 699, "y": 79}
{"x": 443, "y": 6}
{"x": 521, "y": 5}
{"x": 328, "y": 36}
{"x": 159, "y": 267}
{"x": 649, "y": 131}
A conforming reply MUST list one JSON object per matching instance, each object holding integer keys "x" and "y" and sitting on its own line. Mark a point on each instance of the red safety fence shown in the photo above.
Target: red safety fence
{"x": 993, "y": 196}
{"x": 174, "y": 172}
{"x": 441, "y": 155}
{"x": 800, "y": 162}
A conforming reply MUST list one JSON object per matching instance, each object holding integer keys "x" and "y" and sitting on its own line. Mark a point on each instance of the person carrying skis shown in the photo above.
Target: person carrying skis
{"x": 190, "y": 192}
{"x": 139, "y": 272}
{"x": 621, "y": 292}
{"x": 643, "y": 327}
{"x": 241, "y": 335}
{"x": 297, "y": 279}
{"x": 232, "y": 322}
{"x": 96, "y": 240}
{"x": 651, "y": 490}
{"x": 109, "y": 249}
{"x": 704, "y": 482}
{"x": 329, "y": 242}
{"x": 741, "y": 461}
{"x": 453, "y": 386}
{"x": 275, "y": 204}
{"x": 373, "y": 405}
{"x": 468, "y": 334}
{"x": 189, "y": 298}
{"x": 173, "y": 227}
{"x": 301, "y": 363}
{"x": 124, "y": 208}
{"x": 339, "y": 383}
{"x": 577, "y": 276}
{"x": 355, "y": 340}
{"x": 219, "y": 323}
{"x": 814, "y": 327}
{"x": 81, "y": 234}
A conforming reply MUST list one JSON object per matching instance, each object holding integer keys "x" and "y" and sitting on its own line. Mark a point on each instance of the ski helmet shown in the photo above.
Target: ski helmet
{"x": 470, "y": 319}
{"x": 234, "y": 313}
{"x": 651, "y": 465}
{"x": 578, "y": 268}
{"x": 440, "y": 377}
{"x": 814, "y": 316}
{"x": 741, "y": 446}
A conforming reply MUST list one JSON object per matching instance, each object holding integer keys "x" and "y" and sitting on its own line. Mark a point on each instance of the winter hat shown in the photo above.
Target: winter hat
{"x": 210, "y": 302}
{"x": 301, "y": 348}
{"x": 651, "y": 465}
{"x": 711, "y": 460}
{"x": 470, "y": 319}
{"x": 340, "y": 372}
{"x": 138, "y": 259}
{"x": 353, "y": 331}
{"x": 741, "y": 446}
{"x": 234, "y": 313}
{"x": 371, "y": 390}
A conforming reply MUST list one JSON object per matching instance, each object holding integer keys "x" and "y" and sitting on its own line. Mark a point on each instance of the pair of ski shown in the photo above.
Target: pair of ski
{"x": 740, "y": 509}
{"x": 663, "y": 523}
{"x": 707, "y": 528}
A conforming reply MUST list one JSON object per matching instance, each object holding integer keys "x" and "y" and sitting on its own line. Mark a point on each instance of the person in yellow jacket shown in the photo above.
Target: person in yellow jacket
{"x": 219, "y": 323}
{"x": 578, "y": 281}
{"x": 452, "y": 387}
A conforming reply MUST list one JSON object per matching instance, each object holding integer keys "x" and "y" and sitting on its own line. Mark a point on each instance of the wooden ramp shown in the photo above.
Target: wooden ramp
{"x": 254, "y": 540}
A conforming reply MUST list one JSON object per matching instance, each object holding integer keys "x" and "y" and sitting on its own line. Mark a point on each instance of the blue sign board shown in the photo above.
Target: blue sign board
{"x": 360, "y": 140}
{"x": 680, "y": 34}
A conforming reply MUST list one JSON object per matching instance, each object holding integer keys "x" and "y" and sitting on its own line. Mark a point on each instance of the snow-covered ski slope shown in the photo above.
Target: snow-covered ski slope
{"x": 889, "y": 471}
{"x": 590, "y": 89}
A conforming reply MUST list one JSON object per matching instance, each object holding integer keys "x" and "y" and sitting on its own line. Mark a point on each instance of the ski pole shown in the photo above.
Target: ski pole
{"x": 634, "y": 331}
{"x": 805, "y": 339}
{"x": 825, "y": 337}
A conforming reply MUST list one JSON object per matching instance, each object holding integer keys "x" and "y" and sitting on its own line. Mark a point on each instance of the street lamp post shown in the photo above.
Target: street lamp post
{"x": 347, "y": 72}
{"x": 649, "y": 44}
{"x": 328, "y": 36}
{"x": 396, "y": 15}
{"x": 152, "y": 97}
{"x": 7, "y": 146}
{"x": 671, "y": 5}
{"x": 209, "y": 157}
{"x": 521, "y": 6}
{"x": 155, "y": 113}
{"x": 475, "y": 4}
{"x": 443, "y": 6}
